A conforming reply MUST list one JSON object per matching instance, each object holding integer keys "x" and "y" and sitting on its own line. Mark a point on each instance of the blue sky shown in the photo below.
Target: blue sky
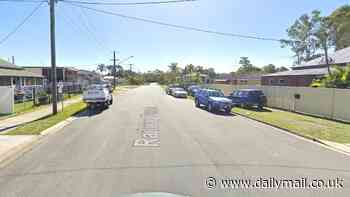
{"x": 154, "y": 46}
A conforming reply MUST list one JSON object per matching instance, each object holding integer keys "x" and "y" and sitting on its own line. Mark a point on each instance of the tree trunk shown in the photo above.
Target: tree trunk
{"x": 327, "y": 61}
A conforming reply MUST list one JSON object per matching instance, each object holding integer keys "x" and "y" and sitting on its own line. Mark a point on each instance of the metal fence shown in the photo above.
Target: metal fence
{"x": 323, "y": 102}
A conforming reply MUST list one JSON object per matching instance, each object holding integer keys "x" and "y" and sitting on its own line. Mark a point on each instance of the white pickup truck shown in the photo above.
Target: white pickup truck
{"x": 98, "y": 95}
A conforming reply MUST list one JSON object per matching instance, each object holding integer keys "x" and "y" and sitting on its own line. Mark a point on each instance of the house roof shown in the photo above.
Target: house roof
{"x": 255, "y": 76}
{"x": 338, "y": 57}
{"x": 6, "y": 72}
{"x": 313, "y": 71}
{"x": 6, "y": 64}
{"x": 49, "y": 67}
{"x": 10, "y": 70}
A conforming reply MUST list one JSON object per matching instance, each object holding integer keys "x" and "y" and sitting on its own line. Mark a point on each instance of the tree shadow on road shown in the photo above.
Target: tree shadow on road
{"x": 255, "y": 109}
{"x": 89, "y": 112}
{"x": 219, "y": 113}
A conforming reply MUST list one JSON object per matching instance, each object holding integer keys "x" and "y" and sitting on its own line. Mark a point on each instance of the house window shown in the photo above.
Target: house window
{"x": 282, "y": 81}
{"x": 272, "y": 81}
{"x": 243, "y": 81}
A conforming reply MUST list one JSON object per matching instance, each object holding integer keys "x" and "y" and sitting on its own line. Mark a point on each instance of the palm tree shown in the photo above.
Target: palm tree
{"x": 189, "y": 68}
{"x": 173, "y": 67}
{"x": 120, "y": 70}
{"x": 110, "y": 69}
{"x": 101, "y": 68}
{"x": 199, "y": 69}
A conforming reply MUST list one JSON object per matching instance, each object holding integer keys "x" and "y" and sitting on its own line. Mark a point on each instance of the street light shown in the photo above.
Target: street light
{"x": 124, "y": 60}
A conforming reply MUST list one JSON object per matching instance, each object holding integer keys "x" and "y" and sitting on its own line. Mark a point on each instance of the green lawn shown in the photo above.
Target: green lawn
{"x": 36, "y": 127}
{"x": 23, "y": 107}
{"x": 28, "y": 106}
{"x": 304, "y": 125}
{"x": 20, "y": 108}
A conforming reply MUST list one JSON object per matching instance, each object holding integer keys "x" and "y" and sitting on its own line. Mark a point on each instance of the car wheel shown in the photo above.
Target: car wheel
{"x": 228, "y": 111}
{"x": 197, "y": 103}
{"x": 210, "y": 107}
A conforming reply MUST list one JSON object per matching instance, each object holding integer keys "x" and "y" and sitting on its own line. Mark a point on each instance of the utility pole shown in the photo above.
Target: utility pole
{"x": 53, "y": 56}
{"x": 130, "y": 68}
{"x": 114, "y": 70}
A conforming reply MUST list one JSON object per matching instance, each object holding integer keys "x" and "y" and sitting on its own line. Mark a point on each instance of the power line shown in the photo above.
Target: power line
{"x": 90, "y": 29}
{"x": 178, "y": 26}
{"x": 23, "y": 1}
{"x": 129, "y": 3}
{"x": 20, "y": 24}
{"x": 79, "y": 29}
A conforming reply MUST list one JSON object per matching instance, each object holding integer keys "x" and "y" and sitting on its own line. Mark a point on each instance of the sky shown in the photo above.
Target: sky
{"x": 85, "y": 38}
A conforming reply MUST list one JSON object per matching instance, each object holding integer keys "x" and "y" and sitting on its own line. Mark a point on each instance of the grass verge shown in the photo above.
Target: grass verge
{"x": 28, "y": 106}
{"x": 36, "y": 127}
{"x": 304, "y": 125}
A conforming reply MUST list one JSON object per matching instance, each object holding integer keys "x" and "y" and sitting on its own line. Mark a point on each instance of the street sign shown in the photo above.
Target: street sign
{"x": 60, "y": 87}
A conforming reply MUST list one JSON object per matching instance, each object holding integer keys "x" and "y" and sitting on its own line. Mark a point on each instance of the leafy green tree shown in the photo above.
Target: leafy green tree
{"x": 110, "y": 69}
{"x": 119, "y": 70}
{"x": 136, "y": 79}
{"x": 173, "y": 67}
{"x": 340, "y": 78}
{"x": 199, "y": 69}
{"x": 269, "y": 68}
{"x": 340, "y": 19}
{"x": 101, "y": 68}
{"x": 246, "y": 67}
{"x": 325, "y": 36}
{"x": 189, "y": 69}
{"x": 210, "y": 72}
{"x": 282, "y": 68}
{"x": 301, "y": 40}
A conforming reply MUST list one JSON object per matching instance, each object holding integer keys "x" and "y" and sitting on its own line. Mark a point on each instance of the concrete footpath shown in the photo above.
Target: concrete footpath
{"x": 31, "y": 116}
{"x": 12, "y": 145}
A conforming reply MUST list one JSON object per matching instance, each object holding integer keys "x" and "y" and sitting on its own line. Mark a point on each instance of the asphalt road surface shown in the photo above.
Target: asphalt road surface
{"x": 148, "y": 141}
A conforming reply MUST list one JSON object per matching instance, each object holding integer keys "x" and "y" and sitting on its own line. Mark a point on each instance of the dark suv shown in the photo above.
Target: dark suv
{"x": 248, "y": 98}
{"x": 213, "y": 100}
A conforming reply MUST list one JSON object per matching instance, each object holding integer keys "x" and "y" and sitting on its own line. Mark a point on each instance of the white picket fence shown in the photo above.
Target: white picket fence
{"x": 323, "y": 102}
{"x": 6, "y": 99}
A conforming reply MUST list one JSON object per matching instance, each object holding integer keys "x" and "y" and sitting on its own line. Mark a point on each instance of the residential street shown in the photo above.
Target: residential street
{"x": 96, "y": 154}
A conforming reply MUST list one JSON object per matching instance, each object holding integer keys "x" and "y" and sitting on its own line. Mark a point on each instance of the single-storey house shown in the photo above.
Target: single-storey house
{"x": 63, "y": 74}
{"x": 12, "y": 75}
{"x": 241, "y": 79}
{"x": 303, "y": 74}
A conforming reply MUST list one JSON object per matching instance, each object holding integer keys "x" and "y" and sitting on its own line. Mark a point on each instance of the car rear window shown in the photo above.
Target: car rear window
{"x": 256, "y": 93}
{"x": 216, "y": 93}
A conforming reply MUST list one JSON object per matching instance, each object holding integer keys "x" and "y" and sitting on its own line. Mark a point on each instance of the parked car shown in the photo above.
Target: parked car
{"x": 98, "y": 96}
{"x": 192, "y": 90}
{"x": 213, "y": 100}
{"x": 168, "y": 90}
{"x": 179, "y": 92}
{"x": 249, "y": 98}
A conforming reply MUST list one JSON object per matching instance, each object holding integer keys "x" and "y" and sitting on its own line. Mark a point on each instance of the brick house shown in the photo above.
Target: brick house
{"x": 67, "y": 76}
{"x": 303, "y": 74}
{"x": 242, "y": 79}
{"x": 63, "y": 74}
